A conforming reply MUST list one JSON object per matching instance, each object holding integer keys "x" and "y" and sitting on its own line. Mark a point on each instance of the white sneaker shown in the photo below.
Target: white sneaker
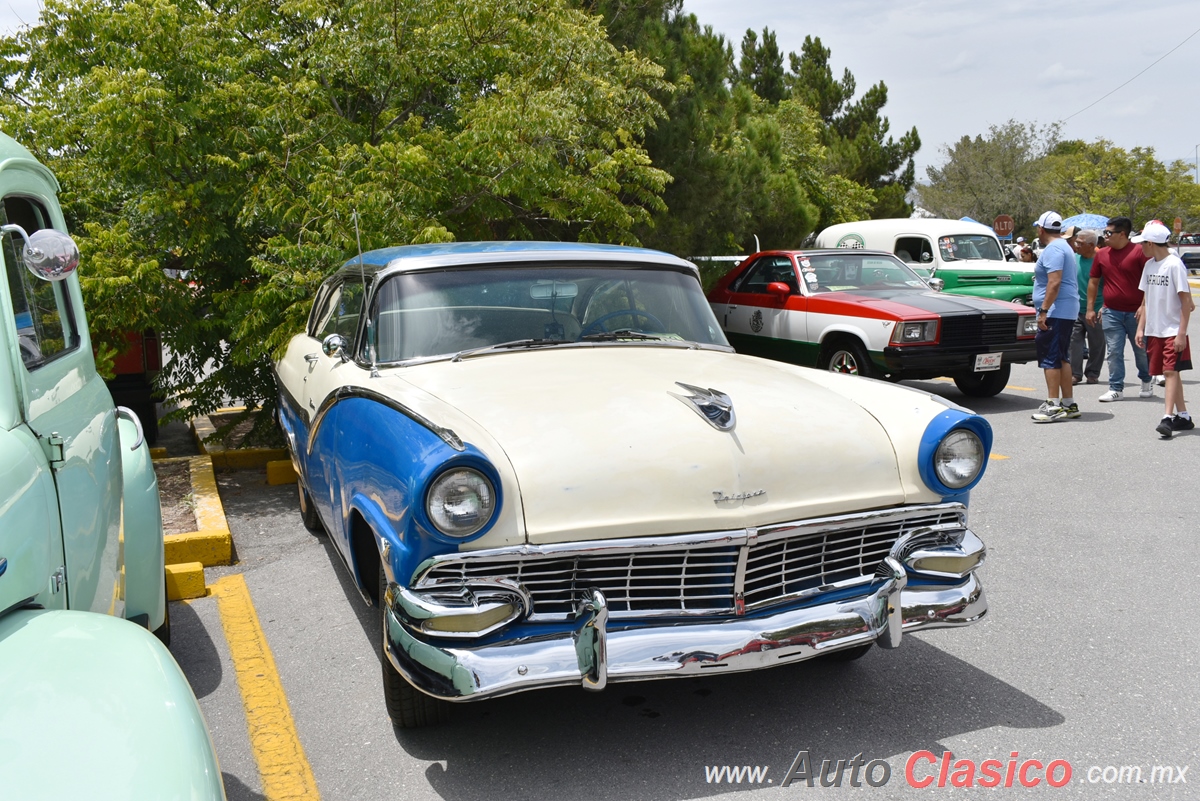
{"x": 1111, "y": 395}
{"x": 1147, "y": 390}
{"x": 1161, "y": 380}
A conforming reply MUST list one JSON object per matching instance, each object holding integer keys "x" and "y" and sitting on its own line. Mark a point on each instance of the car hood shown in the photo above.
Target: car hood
{"x": 602, "y": 445}
{"x": 903, "y": 302}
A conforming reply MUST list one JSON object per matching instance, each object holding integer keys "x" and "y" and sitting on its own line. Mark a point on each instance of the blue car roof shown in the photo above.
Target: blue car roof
{"x": 385, "y": 256}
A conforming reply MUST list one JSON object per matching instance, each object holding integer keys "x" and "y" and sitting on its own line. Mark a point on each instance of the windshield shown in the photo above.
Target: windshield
{"x": 849, "y": 271}
{"x": 970, "y": 246}
{"x": 435, "y": 313}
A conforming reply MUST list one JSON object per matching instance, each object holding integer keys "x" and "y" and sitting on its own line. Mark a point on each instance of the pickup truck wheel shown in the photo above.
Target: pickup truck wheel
{"x": 408, "y": 707}
{"x": 983, "y": 385}
{"x": 308, "y": 511}
{"x": 163, "y": 632}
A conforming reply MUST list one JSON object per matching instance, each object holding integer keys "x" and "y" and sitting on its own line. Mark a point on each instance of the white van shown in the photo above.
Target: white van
{"x": 967, "y": 256}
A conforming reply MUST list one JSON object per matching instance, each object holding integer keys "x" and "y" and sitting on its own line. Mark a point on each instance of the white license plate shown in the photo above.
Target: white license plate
{"x": 988, "y": 361}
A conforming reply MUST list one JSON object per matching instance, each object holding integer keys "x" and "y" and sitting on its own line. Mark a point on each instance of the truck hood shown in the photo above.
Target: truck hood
{"x": 604, "y": 445}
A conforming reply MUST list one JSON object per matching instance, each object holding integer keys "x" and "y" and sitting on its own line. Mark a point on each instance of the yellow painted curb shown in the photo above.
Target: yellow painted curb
{"x": 282, "y": 764}
{"x": 209, "y": 548}
{"x": 281, "y": 472}
{"x": 210, "y": 514}
{"x": 234, "y": 458}
{"x": 185, "y": 581}
{"x": 242, "y": 458}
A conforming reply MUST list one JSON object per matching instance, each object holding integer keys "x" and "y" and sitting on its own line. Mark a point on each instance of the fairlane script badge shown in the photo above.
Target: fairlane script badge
{"x": 720, "y": 497}
{"x": 714, "y": 406}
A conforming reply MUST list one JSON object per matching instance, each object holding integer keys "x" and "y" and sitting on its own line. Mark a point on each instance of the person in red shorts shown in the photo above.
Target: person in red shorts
{"x": 1163, "y": 322}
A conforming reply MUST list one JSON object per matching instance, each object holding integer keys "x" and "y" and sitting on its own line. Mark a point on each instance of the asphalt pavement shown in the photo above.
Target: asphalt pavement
{"x": 1088, "y": 654}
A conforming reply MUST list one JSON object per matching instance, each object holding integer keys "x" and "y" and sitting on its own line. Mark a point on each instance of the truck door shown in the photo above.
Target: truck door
{"x": 66, "y": 406}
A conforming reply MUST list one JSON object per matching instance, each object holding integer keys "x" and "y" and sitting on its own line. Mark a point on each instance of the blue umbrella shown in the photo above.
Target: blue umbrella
{"x": 1096, "y": 221}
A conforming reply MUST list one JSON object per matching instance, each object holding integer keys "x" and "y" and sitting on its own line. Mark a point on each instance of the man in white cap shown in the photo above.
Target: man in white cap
{"x": 1163, "y": 322}
{"x": 1056, "y": 298}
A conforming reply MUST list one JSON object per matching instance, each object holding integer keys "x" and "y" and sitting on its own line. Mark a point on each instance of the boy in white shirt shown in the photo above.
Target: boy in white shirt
{"x": 1163, "y": 322}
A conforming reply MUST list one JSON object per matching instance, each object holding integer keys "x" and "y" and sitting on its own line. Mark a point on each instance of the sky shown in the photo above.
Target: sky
{"x": 955, "y": 67}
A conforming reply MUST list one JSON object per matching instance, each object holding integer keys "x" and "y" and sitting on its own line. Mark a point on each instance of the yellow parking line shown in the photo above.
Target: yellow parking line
{"x": 998, "y": 456}
{"x": 282, "y": 765}
{"x": 1021, "y": 389}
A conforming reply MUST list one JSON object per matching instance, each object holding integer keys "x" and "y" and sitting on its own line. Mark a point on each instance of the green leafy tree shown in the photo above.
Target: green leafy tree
{"x": 856, "y": 134}
{"x": 1002, "y": 172}
{"x": 238, "y": 142}
{"x": 1100, "y": 178}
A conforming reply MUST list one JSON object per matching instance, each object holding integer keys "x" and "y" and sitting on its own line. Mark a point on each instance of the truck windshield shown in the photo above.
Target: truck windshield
{"x": 970, "y": 246}
{"x": 434, "y": 313}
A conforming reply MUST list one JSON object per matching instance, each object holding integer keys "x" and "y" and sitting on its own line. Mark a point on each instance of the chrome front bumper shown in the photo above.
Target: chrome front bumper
{"x": 591, "y": 655}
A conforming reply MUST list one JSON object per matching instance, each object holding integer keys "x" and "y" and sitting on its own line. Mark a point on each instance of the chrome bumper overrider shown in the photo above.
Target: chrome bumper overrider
{"x": 591, "y": 655}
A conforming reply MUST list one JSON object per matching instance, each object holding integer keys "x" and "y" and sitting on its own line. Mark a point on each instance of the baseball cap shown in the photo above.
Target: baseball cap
{"x": 1050, "y": 220}
{"x": 1070, "y": 232}
{"x": 1154, "y": 232}
{"x": 1020, "y": 239}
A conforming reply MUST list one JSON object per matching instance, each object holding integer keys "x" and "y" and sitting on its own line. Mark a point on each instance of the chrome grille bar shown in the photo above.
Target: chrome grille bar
{"x": 718, "y": 573}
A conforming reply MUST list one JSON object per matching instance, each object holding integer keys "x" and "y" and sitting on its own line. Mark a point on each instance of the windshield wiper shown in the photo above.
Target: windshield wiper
{"x": 516, "y": 343}
{"x": 612, "y": 336}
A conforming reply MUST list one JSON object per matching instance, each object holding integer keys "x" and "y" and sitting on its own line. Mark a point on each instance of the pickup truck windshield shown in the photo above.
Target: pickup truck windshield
{"x": 434, "y": 313}
{"x": 969, "y": 246}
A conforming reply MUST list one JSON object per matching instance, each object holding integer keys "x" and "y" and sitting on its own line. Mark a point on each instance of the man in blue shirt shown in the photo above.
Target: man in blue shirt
{"x": 1056, "y": 298}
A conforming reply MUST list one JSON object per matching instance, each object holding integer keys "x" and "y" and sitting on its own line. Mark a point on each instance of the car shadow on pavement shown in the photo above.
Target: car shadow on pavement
{"x": 235, "y": 790}
{"x": 653, "y": 739}
{"x": 194, "y": 650}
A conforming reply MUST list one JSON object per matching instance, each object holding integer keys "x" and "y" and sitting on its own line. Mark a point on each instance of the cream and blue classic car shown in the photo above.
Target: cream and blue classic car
{"x": 91, "y": 705}
{"x": 546, "y": 466}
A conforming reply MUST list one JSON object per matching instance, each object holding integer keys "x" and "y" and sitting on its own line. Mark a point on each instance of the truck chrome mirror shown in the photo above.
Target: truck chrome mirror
{"x": 50, "y": 255}
{"x": 936, "y": 284}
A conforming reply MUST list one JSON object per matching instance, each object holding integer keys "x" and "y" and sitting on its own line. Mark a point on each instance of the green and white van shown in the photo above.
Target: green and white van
{"x": 966, "y": 256}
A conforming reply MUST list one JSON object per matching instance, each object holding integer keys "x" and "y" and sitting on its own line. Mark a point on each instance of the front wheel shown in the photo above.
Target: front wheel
{"x": 408, "y": 707}
{"x": 847, "y": 356}
{"x": 308, "y": 511}
{"x": 983, "y": 385}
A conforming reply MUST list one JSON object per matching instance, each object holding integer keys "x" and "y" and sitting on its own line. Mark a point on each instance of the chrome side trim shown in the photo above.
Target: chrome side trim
{"x": 345, "y": 392}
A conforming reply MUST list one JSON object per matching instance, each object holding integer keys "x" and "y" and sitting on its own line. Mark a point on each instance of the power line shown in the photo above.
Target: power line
{"x": 1135, "y": 77}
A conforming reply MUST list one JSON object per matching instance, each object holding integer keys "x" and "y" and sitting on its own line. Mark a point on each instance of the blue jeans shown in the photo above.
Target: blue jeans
{"x": 1119, "y": 326}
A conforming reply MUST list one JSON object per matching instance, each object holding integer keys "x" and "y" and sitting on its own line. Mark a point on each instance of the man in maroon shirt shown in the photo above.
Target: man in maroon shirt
{"x": 1120, "y": 266}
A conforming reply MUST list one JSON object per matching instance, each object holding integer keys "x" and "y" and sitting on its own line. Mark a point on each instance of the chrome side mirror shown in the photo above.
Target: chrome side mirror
{"x": 926, "y": 257}
{"x": 936, "y": 284}
{"x": 50, "y": 255}
{"x": 335, "y": 345}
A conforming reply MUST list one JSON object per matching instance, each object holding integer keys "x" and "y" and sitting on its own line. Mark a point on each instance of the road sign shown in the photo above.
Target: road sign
{"x": 1003, "y": 226}
{"x": 1178, "y": 226}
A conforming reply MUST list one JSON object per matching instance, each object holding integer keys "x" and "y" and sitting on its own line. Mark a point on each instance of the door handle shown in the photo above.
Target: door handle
{"x": 133, "y": 418}
{"x": 312, "y": 358}
{"x": 732, "y": 306}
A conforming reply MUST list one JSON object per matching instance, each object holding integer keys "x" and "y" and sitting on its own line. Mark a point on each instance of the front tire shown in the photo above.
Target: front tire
{"x": 984, "y": 385}
{"x": 308, "y": 511}
{"x": 847, "y": 356}
{"x": 408, "y": 707}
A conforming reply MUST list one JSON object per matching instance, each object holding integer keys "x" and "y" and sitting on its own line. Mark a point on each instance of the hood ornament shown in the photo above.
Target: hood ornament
{"x": 714, "y": 406}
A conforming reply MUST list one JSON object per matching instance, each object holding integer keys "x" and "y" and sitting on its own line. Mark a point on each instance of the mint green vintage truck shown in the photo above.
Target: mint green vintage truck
{"x": 92, "y": 705}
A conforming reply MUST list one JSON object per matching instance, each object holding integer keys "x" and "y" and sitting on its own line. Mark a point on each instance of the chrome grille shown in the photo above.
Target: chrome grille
{"x": 687, "y": 578}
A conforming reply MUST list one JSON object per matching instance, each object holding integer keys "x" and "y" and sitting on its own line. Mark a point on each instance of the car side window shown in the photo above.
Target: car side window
{"x": 350, "y": 308}
{"x": 914, "y": 250}
{"x": 45, "y": 323}
{"x": 327, "y": 318}
{"x": 766, "y": 270}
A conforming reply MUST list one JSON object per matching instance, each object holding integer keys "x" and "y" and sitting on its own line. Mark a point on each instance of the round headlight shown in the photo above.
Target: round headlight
{"x": 461, "y": 502}
{"x": 959, "y": 458}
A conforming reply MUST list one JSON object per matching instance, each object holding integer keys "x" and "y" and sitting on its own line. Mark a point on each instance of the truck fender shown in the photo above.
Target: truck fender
{"x": 145, "y": 592}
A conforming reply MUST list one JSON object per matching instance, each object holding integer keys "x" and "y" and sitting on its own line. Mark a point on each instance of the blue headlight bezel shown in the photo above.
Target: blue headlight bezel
{"x": 472, "y": 462}
{"x": 937, "y": 430}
